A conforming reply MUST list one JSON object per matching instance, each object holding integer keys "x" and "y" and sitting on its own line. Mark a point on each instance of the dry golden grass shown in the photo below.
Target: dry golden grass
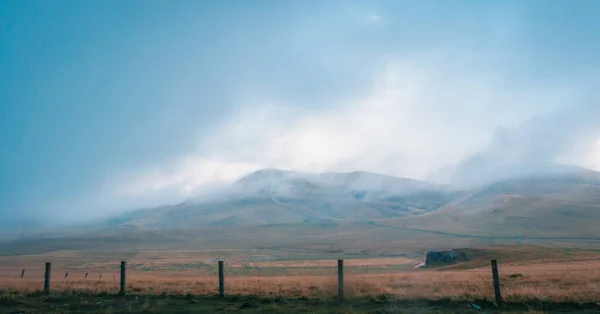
{"x": 553, "y": 275}
{"x": 550, "y": 282}
{"x": 366, "y": 262}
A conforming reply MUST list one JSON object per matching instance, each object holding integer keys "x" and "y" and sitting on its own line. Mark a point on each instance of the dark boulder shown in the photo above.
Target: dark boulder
{"x": 440, "y": 257}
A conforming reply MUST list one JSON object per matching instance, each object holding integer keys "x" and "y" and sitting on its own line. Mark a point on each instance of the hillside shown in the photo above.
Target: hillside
{"x": 564, "y": 205}
{"x": 272, "y": 209}
{"x": 275, "y": 196}
{"x": 560, "y": 205}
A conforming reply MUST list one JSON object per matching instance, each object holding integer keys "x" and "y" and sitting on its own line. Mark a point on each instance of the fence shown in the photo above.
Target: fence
{"x": 221, "y": 279}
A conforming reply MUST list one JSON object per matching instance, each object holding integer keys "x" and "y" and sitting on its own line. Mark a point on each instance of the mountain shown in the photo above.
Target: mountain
{"x": 565, "y": 204}
{"x": 553, "y": 204}
{"x": 355, "y": 212}
{"x": 481, "y": 170}
{"x": 276, "y": 196}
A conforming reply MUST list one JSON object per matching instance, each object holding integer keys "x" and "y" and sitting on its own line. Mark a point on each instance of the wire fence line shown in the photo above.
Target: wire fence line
{"x": 120, "y": 278}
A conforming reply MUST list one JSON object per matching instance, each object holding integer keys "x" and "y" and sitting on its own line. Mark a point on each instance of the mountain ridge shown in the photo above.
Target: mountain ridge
{"x": 273, "y": 196}
{"x": 278, "y": 196}
{"x": 559, "y": 205}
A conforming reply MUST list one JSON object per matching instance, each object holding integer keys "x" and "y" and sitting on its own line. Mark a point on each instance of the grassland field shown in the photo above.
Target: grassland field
{"x": 533, "y": 278}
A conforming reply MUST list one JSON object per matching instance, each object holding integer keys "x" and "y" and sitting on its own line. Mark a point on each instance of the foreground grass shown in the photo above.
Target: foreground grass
{"x": 12, "y": 302}
{"x": 532, "y": 278}
{"x": 564, "y": 281}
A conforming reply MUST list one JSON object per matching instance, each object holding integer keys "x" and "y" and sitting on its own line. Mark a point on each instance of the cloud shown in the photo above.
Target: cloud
{"x": 423, "y": 114}
{"x": 592, "y": 159}
{"x": 546, "y": 143}
{"x": 187, "y": 174}
{"x": 375, "y": 17}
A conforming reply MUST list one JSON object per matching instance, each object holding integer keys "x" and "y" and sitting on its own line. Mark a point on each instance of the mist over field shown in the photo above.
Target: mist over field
{"x": 110, "y": 107}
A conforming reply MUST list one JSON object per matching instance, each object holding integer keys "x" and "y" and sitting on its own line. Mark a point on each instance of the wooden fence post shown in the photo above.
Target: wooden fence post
{"x": 497, "y": 293}
{"x": 221, "y": 280}
{"x": 341, "y": 279}
{"x": 22, "y": 273}
{"x": 47, "y": 278}
{"x": 123, "y": 278}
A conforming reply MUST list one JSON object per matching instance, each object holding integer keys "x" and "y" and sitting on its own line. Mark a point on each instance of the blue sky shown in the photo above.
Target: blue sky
{"x": 109, "y": 105}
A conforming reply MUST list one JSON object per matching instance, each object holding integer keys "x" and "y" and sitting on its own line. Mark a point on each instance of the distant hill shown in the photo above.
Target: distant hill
{"x": 557, "y": 205}
{"x": 357, "y": 212}
{"x": 275, "y": 196}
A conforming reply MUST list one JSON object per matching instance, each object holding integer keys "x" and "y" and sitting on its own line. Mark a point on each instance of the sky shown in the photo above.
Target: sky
{"x": 113, "y": 105}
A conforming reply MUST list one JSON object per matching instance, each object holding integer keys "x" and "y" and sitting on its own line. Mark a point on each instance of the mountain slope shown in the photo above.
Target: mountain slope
{"x": 562, "y": 205}
{"x": 559, "y": 205}
{"x": 275, "y": 196}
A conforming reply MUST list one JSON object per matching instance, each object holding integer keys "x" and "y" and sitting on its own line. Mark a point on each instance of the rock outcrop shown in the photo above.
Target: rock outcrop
{"x": 439, "y": 258}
